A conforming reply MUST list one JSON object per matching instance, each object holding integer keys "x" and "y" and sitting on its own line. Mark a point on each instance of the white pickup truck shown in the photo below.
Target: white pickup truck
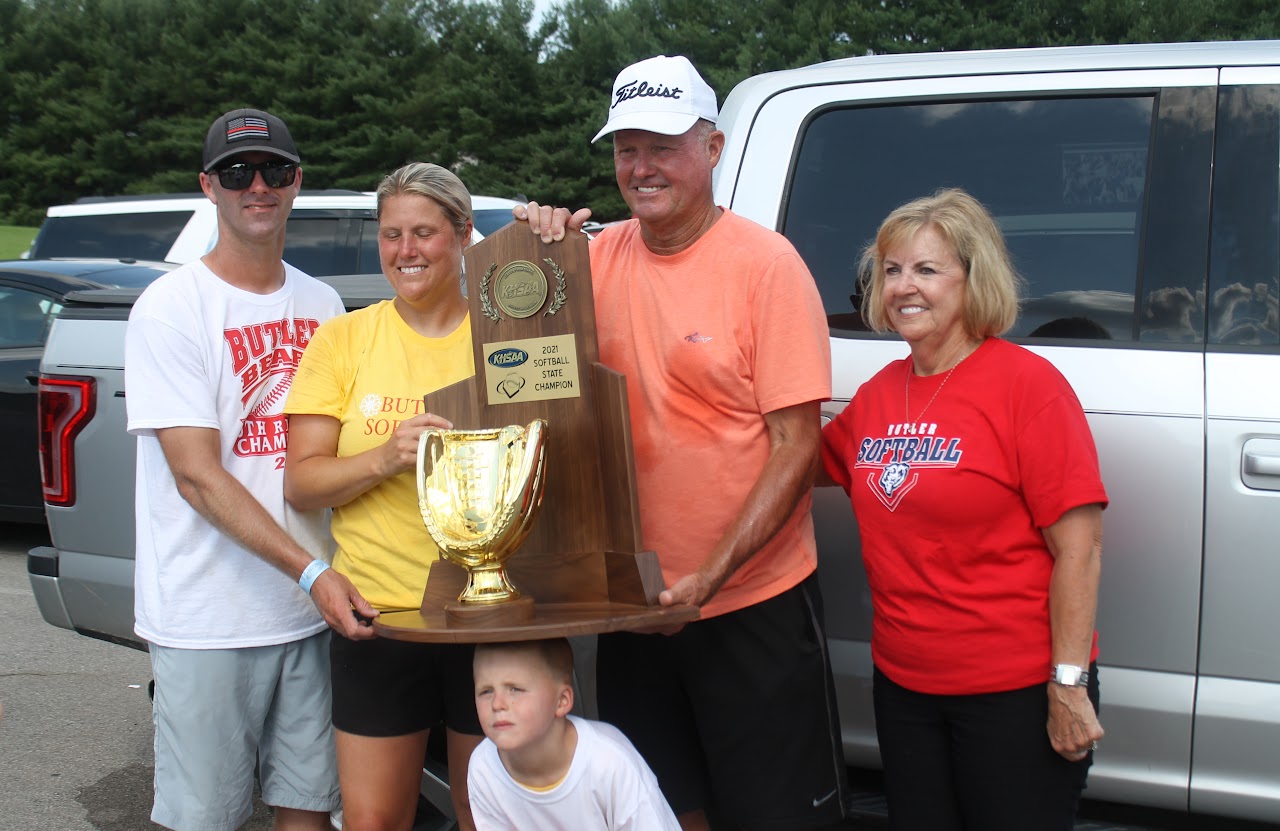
{"x": 1137, "y": 188}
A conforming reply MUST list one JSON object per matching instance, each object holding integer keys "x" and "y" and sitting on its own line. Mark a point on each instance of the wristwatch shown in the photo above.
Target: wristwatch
{"x": 1069, "y": 675}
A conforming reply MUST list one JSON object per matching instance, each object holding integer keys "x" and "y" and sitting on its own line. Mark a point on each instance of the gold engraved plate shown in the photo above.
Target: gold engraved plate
{"x": 478, "y": 492}
{"x": 520, "y": 288}
{"x": 534, "y": 369}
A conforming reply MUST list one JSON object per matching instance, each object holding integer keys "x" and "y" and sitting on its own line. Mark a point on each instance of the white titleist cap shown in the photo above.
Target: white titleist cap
{"x": 662, "y": 95}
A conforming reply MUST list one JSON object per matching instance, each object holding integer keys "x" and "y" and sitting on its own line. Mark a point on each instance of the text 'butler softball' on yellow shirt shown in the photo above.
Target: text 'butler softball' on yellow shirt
{"x": 370, "y": 370}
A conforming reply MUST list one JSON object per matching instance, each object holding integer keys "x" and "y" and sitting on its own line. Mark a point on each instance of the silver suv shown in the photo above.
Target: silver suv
{"x": 1137, "y": 187}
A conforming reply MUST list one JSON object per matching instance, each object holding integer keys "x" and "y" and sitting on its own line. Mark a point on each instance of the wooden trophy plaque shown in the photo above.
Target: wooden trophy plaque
{"x": 536, "y": 357}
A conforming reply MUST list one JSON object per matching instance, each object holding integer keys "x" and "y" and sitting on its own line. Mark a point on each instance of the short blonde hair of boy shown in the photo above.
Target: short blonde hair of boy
{"x": 992, "y": 285}
{"x": 555, "y": 655}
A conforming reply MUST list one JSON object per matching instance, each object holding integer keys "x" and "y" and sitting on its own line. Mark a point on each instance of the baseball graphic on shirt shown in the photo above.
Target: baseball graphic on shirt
{"x": 275, "y": 389}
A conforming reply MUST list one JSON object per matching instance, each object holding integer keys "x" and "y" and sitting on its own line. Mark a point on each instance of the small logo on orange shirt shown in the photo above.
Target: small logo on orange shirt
{"x": 697, "y": 338}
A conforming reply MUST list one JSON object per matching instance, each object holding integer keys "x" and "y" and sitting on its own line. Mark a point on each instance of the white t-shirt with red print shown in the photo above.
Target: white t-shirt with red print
{"x": 202, "y": 353}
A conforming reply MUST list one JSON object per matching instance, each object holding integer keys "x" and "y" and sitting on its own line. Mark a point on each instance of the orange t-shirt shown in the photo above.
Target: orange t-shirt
{"x": 710, "y": 340}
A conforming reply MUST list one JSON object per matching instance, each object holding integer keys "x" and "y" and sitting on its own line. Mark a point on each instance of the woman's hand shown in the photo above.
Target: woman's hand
{"x": 400, "y": 451}
{"x": 1073, "y": 724}
{"x": 315, "y": 476}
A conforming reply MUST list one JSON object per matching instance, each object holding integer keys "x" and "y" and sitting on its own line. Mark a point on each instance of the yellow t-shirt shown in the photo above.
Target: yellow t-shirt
{"x": 369, "y": 370}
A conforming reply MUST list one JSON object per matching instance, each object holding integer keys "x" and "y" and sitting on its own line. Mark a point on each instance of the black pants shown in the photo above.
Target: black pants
{"x": 735, "y": 714}
{"x": 975, "y": 762}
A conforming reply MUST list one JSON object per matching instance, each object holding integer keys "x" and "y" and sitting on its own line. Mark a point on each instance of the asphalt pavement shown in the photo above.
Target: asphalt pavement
{"x": 75, "y": 731}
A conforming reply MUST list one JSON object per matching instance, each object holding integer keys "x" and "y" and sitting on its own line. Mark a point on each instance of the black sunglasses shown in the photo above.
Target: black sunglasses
{"x": 239, "y": 176}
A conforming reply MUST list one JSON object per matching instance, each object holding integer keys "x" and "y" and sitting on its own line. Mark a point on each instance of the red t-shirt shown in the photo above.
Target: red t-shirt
{"x": 951, "y": 508}
{"x": 710, "y": 340}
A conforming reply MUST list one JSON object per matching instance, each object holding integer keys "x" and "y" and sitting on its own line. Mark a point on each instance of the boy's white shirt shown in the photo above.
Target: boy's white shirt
{"x": 609, "y": 787}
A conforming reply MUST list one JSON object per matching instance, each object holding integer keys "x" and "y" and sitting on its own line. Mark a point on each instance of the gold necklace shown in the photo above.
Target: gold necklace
{"x": 906, "y": 403}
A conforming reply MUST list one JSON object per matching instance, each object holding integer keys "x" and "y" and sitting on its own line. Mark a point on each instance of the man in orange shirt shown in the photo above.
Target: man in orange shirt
{"x": 719, "y": 329}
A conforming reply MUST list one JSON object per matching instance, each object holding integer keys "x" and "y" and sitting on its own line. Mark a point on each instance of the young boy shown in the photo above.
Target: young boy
{"x": 541, "y": 768}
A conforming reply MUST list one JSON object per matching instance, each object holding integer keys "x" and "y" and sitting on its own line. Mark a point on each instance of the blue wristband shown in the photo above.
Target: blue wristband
{"x": 310, "y": 573}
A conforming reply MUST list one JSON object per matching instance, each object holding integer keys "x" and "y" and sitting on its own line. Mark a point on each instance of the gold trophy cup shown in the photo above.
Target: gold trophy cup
{"x": 478, "y": 493}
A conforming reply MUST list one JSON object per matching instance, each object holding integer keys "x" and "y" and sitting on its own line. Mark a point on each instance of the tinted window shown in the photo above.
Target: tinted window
{"x": 142, "y": 236}
{"x": 1244, "y": 279}
{"x": 317, "y": 246}
{"x": 369, "y": 263}
{"x": 24, "y": 316}
{"x": 489, "y": 220}
{"x": 1066, "y": 178}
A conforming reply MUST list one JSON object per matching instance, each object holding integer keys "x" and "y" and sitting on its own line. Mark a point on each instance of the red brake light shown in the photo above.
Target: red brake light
{"x": 65, "y": 403}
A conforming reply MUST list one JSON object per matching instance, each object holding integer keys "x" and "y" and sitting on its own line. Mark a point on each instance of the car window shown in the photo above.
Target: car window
{"x": 491, "y": 219}
{"x": 24, "y": 317}
{"x": 316, "y": 244}
{"x": 1244, "y": 265}
{"x": 142, "y": 236}
{"x": 369, "y": 263}
{"x": 1065, "y": 177}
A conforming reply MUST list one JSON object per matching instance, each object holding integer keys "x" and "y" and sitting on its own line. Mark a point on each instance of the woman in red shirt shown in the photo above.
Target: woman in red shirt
{"x": 975, "y": 481}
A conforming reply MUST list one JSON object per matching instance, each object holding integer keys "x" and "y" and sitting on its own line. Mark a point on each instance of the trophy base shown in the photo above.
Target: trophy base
{"x": 628, "y": 604}
{"x": 507, "y": 613}
{"x": 550, "y": 620}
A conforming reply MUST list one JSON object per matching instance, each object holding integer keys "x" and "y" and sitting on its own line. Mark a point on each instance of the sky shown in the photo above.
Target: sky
{"x": 539, "y": 8}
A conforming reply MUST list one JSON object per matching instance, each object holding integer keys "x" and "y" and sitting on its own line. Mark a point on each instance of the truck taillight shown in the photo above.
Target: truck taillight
{"x": 65, "y": 403}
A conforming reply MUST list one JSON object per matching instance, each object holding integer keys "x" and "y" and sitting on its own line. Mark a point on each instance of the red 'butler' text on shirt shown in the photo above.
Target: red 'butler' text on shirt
{"x": 261, "y": 352}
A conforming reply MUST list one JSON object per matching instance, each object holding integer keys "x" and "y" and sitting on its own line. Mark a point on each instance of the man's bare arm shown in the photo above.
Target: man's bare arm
{"x": 194, "y": 457}
{"x": 794, "y": 435}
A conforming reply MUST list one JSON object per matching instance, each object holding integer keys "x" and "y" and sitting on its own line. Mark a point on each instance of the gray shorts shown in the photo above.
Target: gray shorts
{"x": 219, "y": 713}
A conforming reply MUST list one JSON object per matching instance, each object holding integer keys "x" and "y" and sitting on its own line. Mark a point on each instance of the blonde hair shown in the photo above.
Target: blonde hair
{"x": 435, "y": 183}
{"x": 555, "y": 655}
{"x": 992, "y": 286}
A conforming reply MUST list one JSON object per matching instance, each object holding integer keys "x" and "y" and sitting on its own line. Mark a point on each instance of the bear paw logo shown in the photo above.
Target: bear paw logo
{"x": 511, "y": 385}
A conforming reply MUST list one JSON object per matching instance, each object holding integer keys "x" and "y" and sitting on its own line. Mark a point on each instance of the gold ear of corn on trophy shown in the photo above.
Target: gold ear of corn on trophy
{"x": 536, "y": 522}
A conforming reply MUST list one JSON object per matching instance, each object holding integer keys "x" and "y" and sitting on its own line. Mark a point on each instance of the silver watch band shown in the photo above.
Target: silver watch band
{"x": 1069, "y": 675}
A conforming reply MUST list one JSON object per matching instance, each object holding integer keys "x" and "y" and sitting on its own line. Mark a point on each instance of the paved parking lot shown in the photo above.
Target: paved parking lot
{"x": 75, "y": 730}
{"x": 75, "y": 735}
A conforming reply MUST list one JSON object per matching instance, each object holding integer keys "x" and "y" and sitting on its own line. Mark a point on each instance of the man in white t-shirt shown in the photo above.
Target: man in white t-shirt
{"x": 232, "y": 588}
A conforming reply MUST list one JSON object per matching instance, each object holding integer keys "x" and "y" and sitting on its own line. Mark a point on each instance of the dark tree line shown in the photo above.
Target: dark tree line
{"x": 103, "y": 97}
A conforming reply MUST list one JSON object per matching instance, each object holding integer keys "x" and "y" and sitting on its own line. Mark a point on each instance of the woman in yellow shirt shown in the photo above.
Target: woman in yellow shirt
{"x": 356, "y": 413}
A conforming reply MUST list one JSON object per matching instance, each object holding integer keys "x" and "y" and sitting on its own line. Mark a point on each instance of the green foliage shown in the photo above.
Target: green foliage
{"x": 103, "y": 97}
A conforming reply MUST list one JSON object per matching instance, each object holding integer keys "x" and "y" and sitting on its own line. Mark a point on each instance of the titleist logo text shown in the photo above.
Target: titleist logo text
{"x": 642, "y": 89}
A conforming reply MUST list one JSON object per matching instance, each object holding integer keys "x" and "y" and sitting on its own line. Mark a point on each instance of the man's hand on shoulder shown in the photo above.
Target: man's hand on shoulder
{"x": 549, "y": 222}
{"x": 343, "y": 607}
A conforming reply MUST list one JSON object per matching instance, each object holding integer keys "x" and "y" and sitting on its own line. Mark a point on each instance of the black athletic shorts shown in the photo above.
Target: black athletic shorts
{"x": 736, "y": 714}
{"x": 385, "y": 687}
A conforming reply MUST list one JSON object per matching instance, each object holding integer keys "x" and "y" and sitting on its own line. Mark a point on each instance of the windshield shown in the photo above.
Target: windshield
{"x": 142, "y": 236}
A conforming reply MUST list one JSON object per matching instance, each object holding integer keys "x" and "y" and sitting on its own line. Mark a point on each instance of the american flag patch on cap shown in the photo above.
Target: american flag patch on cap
{"x": 247, "y": 127}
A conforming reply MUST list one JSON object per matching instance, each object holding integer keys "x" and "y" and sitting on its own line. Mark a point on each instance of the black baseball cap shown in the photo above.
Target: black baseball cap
{"x": 244, "y": 131}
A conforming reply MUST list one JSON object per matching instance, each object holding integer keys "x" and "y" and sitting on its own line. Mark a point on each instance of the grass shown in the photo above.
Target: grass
{"x": 15, "y": 240}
